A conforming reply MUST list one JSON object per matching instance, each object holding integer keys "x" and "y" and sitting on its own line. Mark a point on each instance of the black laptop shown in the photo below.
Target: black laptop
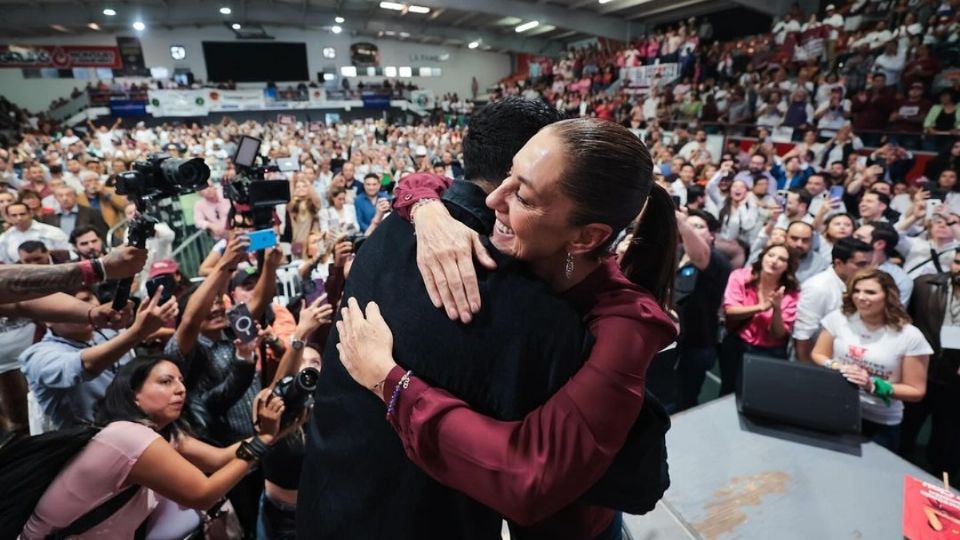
{"x": 802, "y": 395}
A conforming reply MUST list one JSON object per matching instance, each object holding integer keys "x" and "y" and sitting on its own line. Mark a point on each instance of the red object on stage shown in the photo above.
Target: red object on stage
{"x": 930, "y": 512}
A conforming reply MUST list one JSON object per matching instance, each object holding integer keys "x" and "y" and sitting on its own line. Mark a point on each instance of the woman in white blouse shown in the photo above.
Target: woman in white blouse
{"x": 871, "y": 342}
{"x": 339, "y": 218}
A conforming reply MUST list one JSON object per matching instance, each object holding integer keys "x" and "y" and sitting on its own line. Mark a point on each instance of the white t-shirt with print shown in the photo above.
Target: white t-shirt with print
{"x": 880, "y": 352}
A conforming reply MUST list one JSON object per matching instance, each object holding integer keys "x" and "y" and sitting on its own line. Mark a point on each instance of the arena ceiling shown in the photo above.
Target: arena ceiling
{"x": 488, "y": 24}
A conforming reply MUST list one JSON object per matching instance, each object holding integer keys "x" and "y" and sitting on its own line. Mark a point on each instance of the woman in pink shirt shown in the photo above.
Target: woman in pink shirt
{"x": 760, "y": 305}
{"x": 141, "y": 446}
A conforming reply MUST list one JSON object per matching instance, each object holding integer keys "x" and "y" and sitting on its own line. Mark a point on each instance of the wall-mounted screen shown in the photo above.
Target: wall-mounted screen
{"x": 255, "y": 61}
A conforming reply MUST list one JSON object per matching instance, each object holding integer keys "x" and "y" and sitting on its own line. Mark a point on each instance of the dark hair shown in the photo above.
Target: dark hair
{"x": 374, "y": 176}
{"x": 800, "y": 222}
{"x": 882, "y": 197}
{"x": 119, "y": 402}
{"x": 826, "y": 224}
{"x": 695, "y": 192}
{"x": 893, "y": 313}
{"x": 498, "y": 131}
{"x": 760, "y": 154}
{"x": 803, "y": 196}
{"x": 712, "y": 224}
{"x": 845, "y": 248}
{"x": 788, "y": 280}
{"x": 33, "y": 245}
{"x": 17, "y": 202}
{"x": 885, "y": 231}
{"x": 28, "y": 194}
{"x": 80, "y": 231}
{"x": 608, "y": 174}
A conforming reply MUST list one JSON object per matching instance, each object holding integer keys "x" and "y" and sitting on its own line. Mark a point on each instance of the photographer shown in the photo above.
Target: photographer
{"x": 71, "y": 367}
{"x": 282, "y": 464}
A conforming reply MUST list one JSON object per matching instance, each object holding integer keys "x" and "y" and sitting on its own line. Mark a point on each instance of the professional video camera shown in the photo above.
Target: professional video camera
{"x": 296, "y": 392}
{"x": 253, "y": 197}
{"x": 159, "y": 177}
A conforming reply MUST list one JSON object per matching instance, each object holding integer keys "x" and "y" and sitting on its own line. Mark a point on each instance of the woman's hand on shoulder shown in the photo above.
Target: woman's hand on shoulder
{"x": 366, "y": 344}
{"x": 445, "y": 252}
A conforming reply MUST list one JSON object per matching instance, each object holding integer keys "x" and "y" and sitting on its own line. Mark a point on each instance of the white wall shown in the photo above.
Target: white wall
{"x": 458, "y": 70}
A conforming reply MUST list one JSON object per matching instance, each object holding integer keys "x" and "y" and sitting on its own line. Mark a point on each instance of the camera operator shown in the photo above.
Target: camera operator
{"x": 221, "y": 381}
{"x": 281, "y": 465}
{"x": 71, "y": 367}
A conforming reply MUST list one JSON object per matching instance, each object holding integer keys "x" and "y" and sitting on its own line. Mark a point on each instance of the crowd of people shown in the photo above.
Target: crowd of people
{"x": 617, "y": 267}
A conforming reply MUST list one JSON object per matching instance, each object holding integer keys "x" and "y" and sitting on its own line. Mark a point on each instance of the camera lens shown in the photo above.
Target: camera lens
{"x": 307, "y": 378}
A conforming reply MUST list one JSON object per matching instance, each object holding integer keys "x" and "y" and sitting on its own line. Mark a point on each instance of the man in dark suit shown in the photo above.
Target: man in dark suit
{"x": 73, "y": 215}
{"x": 524, "y": 344}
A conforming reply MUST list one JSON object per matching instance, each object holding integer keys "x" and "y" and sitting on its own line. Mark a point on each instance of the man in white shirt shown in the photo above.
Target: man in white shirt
{"x": 823, "y": 292}
{"x": 891, "y": 62}
{"x": 685, "y": 178}
{"x": 23, "y": 228}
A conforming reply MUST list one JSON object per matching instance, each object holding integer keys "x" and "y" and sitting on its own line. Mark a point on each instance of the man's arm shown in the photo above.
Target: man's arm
{"x": 266, "y": 287}
{"x": 23, "y": 282}
{"x": 62, "y": 307}
{"x": 198, "y": 307}
{"x": 150, "y": 318}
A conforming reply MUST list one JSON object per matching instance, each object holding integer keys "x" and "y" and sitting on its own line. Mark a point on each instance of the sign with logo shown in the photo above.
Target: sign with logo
{"x": 65, "y": 57}
{"x": 179, "y": 102}
{"x": 128, "y": 107}
{"x": 646, "y": 76}
{"x": 423, "y": 99}
{"x": 442, "y": 57}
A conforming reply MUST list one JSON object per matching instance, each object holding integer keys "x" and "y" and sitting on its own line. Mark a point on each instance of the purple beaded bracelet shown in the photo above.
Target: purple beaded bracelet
{"x": 402, "y": 384}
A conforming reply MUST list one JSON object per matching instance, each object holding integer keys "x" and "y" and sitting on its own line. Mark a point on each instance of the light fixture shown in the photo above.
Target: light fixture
{"x": 236, "y": 26}
{"x": 527, "y": 26}
{"x": 225, "y": 10}
{"x": 404, "y": 34}
{"x": 405, "y": 72}
{"x": 178, "y": 52}
{"x": 390, "y": 71}
{"x": 94, "y": 26}
{"x": 60, "y": 28}
{"x": 109, "y": 12}
{"x": 339, "y": 20}
{"x": 139, "y": 26}
{"x": 473, "y": 44}
{"x": 418, "y": 9}
{"x": 392, "y": 5}
{"x": 605, "y": 1}
{"x": 336, "y": 29}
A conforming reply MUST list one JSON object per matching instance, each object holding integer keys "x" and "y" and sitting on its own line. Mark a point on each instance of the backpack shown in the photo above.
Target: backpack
{"x": 28, "y": 466}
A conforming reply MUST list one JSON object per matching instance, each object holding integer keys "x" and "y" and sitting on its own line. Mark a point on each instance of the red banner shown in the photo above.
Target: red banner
{"x": 929, "y": 512}
{"x": 60, "y": 57}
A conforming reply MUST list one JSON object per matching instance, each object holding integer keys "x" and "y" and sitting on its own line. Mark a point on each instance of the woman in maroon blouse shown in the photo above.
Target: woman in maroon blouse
{"x": 572, "y": 188}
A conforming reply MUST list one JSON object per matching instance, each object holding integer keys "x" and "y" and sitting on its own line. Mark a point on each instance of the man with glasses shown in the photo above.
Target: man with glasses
{"x": 823, "y": 292}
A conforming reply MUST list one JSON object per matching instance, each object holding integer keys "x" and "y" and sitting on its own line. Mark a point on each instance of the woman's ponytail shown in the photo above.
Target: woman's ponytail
{"x": 651, "y": 257}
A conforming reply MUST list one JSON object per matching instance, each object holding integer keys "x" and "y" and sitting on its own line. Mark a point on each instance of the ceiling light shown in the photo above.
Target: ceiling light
{"x": 236, "y": 26}
{"x": 59, "y": 28}
{"x": 94, "y": 26}
{"x": 527, "y": 26}
{"x": 605, "y": 1}
{"x": 389, "y": 33}
{"x": 225, "y": 10}
{"x": 473, "y": 44}
{"x": 139, "y": 26}
{"x": 336, "y": 29}
{"x": 339, "y": 20}
{"x": 392, "y": 5}
{"x": 404, "y": 35}
{"x": 418, "y": 9}
{"x": 109, "y": 12}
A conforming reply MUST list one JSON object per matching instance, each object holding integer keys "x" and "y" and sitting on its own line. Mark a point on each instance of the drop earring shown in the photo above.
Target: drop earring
{"x": 568, "y": 266}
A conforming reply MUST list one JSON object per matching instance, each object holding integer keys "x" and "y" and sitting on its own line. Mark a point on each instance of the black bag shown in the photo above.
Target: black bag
{"x": 29, "y": 465}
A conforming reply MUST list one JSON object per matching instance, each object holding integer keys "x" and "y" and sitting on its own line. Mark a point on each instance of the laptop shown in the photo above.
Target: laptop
{"x": 796, "y": 394}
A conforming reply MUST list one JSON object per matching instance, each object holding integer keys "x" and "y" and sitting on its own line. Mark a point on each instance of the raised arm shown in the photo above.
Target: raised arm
{"x": 27, "y": 281}
{"x": 527, "y": 469}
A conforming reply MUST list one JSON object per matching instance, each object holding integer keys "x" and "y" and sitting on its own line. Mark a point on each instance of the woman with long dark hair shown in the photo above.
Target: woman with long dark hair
{"x": 760, "y": 305}
{"x": 573, "y": 187}
{"x": 871, "y": 342}
{"x": 141, "y": 445}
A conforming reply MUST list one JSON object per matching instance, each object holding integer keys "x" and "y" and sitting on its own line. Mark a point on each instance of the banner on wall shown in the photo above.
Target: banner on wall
{"x": 646, "y": 76}
{"x": 60, "y": 57}
{"x": 179, "y": 102}
{"x": 132, "y": 53}
{"x": 424, "y": 99}
{"x": 235, "y": 100}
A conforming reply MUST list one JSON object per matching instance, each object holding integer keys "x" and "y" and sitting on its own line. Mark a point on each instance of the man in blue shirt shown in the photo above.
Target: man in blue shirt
{"x": 371, "y": 203}
{"x": 69, "y": 370}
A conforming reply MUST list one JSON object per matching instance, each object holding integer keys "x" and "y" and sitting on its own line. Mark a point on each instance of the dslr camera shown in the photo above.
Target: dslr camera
{"x": 297, "y": 393}
{"x": 252, "y": 197}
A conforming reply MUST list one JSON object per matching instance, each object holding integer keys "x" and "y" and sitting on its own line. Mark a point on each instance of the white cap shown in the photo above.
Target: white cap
{"x": 831, "y": 7}
{"x": 421, "y": 150}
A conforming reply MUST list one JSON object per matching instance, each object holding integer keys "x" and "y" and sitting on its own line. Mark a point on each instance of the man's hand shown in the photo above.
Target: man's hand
{"x": 312, "y": 317}
{"x": 383, "y": 206}
{"x": 235, "y": 253}
{"x": 152, "y": 316}
{"x": 104, "y": 316}
{"x": 342, "y": 252}
{"x": 273, "y": 257}
{"x": 124, "y": 262}
{"x": 445, "y": 251}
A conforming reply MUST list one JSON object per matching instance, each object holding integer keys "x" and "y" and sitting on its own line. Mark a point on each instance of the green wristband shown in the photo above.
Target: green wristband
{"x": 882, "y": 389}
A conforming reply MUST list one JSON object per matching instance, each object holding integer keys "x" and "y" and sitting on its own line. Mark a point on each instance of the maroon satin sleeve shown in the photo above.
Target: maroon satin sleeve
{"x": 416, "y": 187}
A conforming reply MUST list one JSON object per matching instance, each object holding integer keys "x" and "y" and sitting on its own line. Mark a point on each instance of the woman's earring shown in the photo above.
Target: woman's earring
{"x": 568, "y": 267}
